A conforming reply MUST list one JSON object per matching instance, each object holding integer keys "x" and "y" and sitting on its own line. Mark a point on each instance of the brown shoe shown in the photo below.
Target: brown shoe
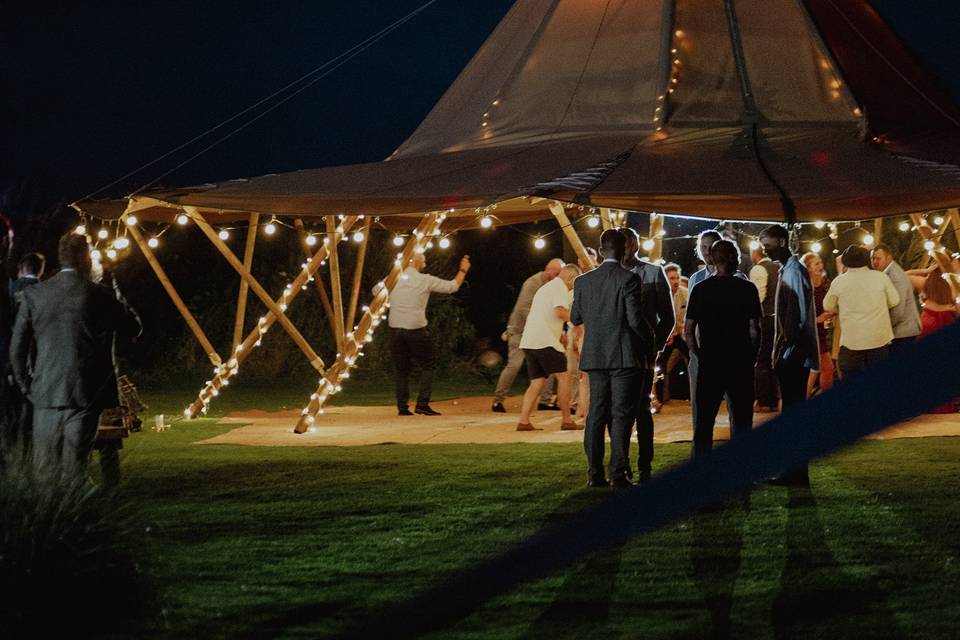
{"x": 526, "y": 426}
{"x": 571, "y": 426}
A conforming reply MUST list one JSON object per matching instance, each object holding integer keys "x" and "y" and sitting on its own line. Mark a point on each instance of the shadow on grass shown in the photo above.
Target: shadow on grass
{"x": 817, "y": 598}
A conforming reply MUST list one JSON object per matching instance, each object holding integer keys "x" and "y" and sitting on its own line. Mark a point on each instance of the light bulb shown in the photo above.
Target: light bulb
{"x": 539, "y": 243}
{"x": 103, "y": 234}
{"x": 153, "y": 243}
{"x": 358, "y": 236}
{"x": 593, "y": 222}
{"x": 310, "y": 240}
{"x": 938, "y": 220}
{"x": 398, "y": 241}
{"x": 754, "y": 245}
{"x": 819, "y": 224}
{"x": 868, "y": 239}
{"x": 648, "y": 245}
{"x": 444, "y": 243}
{"x": 131, "y": 220}
{"x": 80, "y": 230}
{"x": 816, "y": 247}
{"x": 904, "y": 226}
{"x": 111, "y": 254}
{"x": 270, "y": 228}
{"x": 121, "y": 243}
{"x": 929, "y": 245}
{"x": 182, "y": 219}
{"x": 224, "y": 234}
{"x": 486, "y": 222}
{"x": 95, "y": 255}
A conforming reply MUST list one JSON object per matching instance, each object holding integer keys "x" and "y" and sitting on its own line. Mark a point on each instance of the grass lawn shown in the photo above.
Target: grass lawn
{"x": 285, "y": 542}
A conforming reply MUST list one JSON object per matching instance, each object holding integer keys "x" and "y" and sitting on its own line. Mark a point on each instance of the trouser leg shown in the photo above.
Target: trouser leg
{"x": 509, "y": 373}
{"x": 400, "y": 352}
{"x": 47, "y": 441}
{"x": 644, "y": 421}
{"x": 793, "y": 390}
{"x": 709, "y": 393}
{"x": 110, "y": 463}
{"x": 850, "y": 362}
{"x": 693, "y": 370}
{"x": 625, "y": 385}
{"x": 597, "y": 421}
{"x": 740, "y": 396}
{"x": 421, "y": 348}
{"x": 765, "y": 381}
{"x": 79, "y": 434}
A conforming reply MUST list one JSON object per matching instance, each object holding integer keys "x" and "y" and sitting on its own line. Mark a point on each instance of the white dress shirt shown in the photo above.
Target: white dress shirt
{"x": 759, "y": 277}
{"x": 864, "y": 299}
{"x": 408, "y": 301}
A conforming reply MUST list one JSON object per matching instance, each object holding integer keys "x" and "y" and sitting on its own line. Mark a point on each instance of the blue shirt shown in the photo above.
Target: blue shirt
{"x": 795, "y": 336}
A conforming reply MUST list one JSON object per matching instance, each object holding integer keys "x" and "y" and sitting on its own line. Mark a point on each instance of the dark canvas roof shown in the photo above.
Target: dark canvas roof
{"x": 812, "y": 106}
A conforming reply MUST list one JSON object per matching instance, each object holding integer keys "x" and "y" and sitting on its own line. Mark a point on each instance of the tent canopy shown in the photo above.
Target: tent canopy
{"x": 753, "y": 109}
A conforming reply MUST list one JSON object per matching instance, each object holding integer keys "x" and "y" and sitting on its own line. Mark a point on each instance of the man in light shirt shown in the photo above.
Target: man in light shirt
{"x": 765, "y": 274}
{"x": 543, "y": 346}
{"x": 863, "y": 299}
{"x": 410, "y": 342}
{"x": 905, "y": 317}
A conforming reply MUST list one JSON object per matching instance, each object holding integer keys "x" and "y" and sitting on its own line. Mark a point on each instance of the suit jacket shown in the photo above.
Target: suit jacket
{"x": 73, "y": 324}
{"x": 608, "y": 303}
{"x": 904, "y": 318}
{"x": 657, "y": 300}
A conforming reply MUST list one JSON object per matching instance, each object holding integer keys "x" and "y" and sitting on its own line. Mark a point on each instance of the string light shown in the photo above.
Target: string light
{"x": 816, "y": 247}
{"x": 310, "y": 240}
{"x": 539, "y": 243}
{"x": 224, "y": 234}
{"x": 486, "y": 222}
{"x": 270, "y": 228}
{"x": 121, "y": 243}
{"x": 112, "y": 254}
{"x": 131, "y": 220}
{"x": 819, "y": 224}
{"x": 938, "y": 221}
{"x": 358, "y": 236}
{"x": 868, "y": 239}
{"x": 754, "y": 245}
{"x": 593, "y": 222}
{"x": 904, "y": 226}
{"x": 444, "y": 243}
{"x": 80, "y": 230}
{"x": 929, "y": 245}
{"x": 95, "y": 255}
{"x": 648, "y": 244}
{"x": 182, "y": 219}
{"x": 398, "y": 241}
{"x": 103, "y": 234}
{"x": 153, "y": 243}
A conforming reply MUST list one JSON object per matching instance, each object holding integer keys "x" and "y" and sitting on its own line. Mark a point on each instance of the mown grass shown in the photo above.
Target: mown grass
{"x": 284, "y": 542}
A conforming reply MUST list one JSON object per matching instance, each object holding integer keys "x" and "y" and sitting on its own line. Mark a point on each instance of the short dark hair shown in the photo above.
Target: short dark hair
{"x": 671, "y": 266}
{"x": 631, "y": 231}
{"x": 776, "y": 231}
{"x": 885, "y": 248}
{"x": 32, "y": 263}
{"x": 855, "y": 256}
{"x": 613, "y": 244}
{"x": 709, "y": 233}
{"x": 726, "y": 253}
{"x": 72, "y": 251}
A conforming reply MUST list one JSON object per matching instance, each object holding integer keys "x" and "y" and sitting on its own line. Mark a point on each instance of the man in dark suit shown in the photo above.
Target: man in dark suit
{"x": 72, "y": 323}
{"x": 657, "y": 300}
{"x": 617, "y": 341}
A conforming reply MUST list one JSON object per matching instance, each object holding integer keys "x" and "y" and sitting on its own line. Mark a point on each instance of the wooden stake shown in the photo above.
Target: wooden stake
{"x": 335, "y": 288}
{"x": 560, "y": 214}
{"x": 315, "y": 361}
{"x": 358, "y": 276}
{"x": 172, "y": 292}
{"x": 225, "y": 372}
{"x": 330, "y": 382}
{"x": 318, "y": 282}
{"x": 248, "y": 265}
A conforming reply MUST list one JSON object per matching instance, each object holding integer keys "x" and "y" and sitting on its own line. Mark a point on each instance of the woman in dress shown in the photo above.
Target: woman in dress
{"x": 939, "y": 310}
{"x": 821, "y": 284}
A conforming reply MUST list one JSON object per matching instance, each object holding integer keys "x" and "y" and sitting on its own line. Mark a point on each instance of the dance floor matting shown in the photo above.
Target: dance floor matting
{"x": 470, "y": 421}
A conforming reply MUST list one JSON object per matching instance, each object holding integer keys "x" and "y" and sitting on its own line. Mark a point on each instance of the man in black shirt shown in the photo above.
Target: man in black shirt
{"x": 723, "y": 331}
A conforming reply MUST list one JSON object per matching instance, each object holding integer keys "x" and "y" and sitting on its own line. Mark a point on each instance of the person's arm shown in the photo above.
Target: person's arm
{"x": 754, "y": 336}
{"x": 830, "y": 302}
{"x": 758, "y": 276}
{"x": 665, "y": 316}
{"x": 634, "y": 307}
{"x": 562, "y": 312}
{"x": 21, "y": 343}
{"x": 690, "y": 322}
{"x": 893, "y": 298}
{"x": 439, "y": 285}
{"x": 576, "y": 317}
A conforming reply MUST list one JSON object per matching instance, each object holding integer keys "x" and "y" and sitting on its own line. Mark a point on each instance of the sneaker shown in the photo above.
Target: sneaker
{"x": 498, "y": 408}
{"x": 425, "y": 410}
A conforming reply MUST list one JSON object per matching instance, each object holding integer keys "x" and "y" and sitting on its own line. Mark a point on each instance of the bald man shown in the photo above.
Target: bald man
{"x": 515, "y": 325}
{"x": 410, "y": 342}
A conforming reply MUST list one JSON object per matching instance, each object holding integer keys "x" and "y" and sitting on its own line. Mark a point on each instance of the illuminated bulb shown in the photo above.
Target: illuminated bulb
{"x": 111, "y": 254}
{"x": 224, "y": 234}
{"x": 486, "y": 222}
{"x": 131, "y": 220}
{"x": 182, "y": 219}
{"x": 311, "y": 240}
{"x": 868, "y": 239}
{"x": 187, "y": 412}
{"x": 754, "y": 245}
{"x": 929, "y": 245}
{"x": 647, "y": 245}
{"x": 80, "y": 230}
{"x": 819, "y": 224}
{"x": 816, "y": 247}
{"x": 593, "y": 222}
{"x": 430, "y": 245}
{"x": 539, "y": 243}
{"x": 270, "y": 228}
{"x": 358, "y": 236}
{"x": 444, "y": 243}
{"x": 121, "y": 243}
{"x": 95, "y": 255}
{"x": 103, "y": 234}
{"x": 398, "y": 241}
{"x": 153, "y": 243}
{"x": 938, "y": 221}
{"x": 904, "y": 226}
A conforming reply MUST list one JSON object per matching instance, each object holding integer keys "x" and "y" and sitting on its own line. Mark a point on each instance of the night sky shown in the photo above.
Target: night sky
{"x": 94, "y": 90}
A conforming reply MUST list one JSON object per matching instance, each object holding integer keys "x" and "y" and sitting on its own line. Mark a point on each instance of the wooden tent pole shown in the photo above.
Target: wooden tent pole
{"x": 878, "y": 231}
{"x": 369, "y": 320}
{"x": 315, "y": 361}
{"x": 358, "y": 277}
{"x": 656, "y": 228}
{"x": 172, "y": 292}
{"x": 318, "y": 282}
{"x": 224, "y": 373}
{"x": 605, "y": 219}
{"x": 248, "y": 265}
{"x": 556, "y": 208}
{"x": 938, "y": 253}
{"x": 954, "y": 215}
{"x": 335, "y": 288}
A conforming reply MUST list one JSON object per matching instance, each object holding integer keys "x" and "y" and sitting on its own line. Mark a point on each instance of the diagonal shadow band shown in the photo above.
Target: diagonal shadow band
{"x": 890, "y": 392}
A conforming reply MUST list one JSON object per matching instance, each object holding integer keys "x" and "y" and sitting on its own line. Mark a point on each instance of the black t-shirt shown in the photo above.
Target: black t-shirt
{"x": 723, "y": 306}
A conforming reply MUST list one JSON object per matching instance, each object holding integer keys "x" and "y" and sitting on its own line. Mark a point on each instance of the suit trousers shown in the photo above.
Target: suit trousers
{"x": 512, "y": 368}
{"x": 63, "y": 438}
{"x": 613, "y": 404}
{"x": 793, "y": 389}
{"x": 644, "y": 422}
{"x": 764, "y": 376}
{"x": 714, "y": 380}
{"x": 409, "y": 348}
{"x": 851, "y": 362}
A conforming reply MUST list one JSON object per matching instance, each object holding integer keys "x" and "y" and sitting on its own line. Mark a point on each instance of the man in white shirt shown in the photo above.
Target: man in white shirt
{"x": 905, "y": 317}
{"x": 410, "y": 342}
{"x": 543, "y": 345}
{"x": 863, "y": 299}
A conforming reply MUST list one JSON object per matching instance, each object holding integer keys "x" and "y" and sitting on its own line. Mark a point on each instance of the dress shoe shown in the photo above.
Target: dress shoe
{"x": 597, "y": 483}
{"x": 571, "y": 426}
{"x": 404, "y": 411}
{"x": 425, "y": 410}
{"x": 644, "y": 478}
{"x": 543, "y": 406}
{"x": 498, "y": 408}
{"x": 621, "y": 483}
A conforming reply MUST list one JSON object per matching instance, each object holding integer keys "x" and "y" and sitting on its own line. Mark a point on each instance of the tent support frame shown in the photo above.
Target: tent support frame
{"x": 248, "y": 265}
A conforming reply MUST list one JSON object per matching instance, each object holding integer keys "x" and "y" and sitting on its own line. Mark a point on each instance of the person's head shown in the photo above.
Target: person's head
{"x": 31, "y": 264}
{"x": 553, "y": 268}
{"x": 419, "y": 261}
{"x": 881, "y": 257}
{"x": 632, "y": 239}
{"x": 855, "y": 256}
{"x": 936, "y": 289}
{"x": 673, "y": 276}
{"x": 775, "y": 242}
{"x": 74, "y": 253}
{"x": 568, "y": 274}
{"x": 813, "y": 262}
{"x": 704, "y": 241}
{"x": 725, "y": 257}
{"x": 592, "y": 259}
{"x": 613, "y": 245}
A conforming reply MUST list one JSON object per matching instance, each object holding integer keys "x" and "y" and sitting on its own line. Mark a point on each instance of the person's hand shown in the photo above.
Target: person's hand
{"x": 465, "y": 264}
{"x": 505, "y": 336}
{"x": 563, "y": 340}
